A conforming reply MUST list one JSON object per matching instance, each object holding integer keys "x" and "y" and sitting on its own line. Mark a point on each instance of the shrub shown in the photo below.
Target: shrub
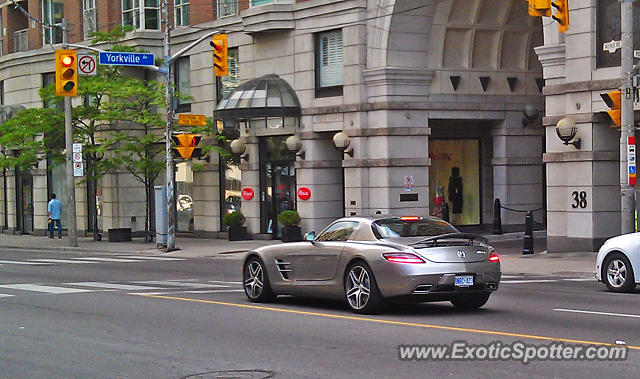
{"x": 289, "y": 218}
{"x": 233, "y": 219}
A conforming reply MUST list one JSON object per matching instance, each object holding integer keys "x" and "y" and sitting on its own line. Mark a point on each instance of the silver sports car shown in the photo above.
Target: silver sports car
{"x": 366, "y": 260}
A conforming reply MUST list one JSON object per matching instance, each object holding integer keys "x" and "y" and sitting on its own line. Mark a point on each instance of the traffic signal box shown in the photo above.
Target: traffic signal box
{"x": 562, "y": 14}
{"x": 186, "y": 146}
{"x": 220, "y": 55}
{"x": 613, "y": 100}
{"x": 539, "y": 8}
{"x": 66, "y": 73}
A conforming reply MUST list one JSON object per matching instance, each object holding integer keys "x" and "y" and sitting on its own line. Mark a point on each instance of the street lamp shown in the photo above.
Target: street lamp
{"x": 294, "y": 145}
{"x": 566, "y": 130}
{"x": 530, "y": 113}
{"x": 239, "y": 148}
{"x": 341, "y": 141}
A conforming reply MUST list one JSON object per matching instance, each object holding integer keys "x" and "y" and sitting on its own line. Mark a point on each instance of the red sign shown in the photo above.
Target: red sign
{"x": 304, "y": 193}
{"x": 247, "y": 193}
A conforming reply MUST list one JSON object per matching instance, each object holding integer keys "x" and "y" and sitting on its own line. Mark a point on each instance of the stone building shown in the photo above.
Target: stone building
{"x": 453, "y": 98}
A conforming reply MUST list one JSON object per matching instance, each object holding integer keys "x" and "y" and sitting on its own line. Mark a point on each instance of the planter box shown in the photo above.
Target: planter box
{"x": 291, "y": 234}
{"x": 237, "y": 233}
{"x": 119, "y": 234}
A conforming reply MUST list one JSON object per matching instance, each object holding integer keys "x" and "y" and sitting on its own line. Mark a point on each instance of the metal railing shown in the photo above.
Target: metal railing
{"x": 528, "y": 223}
{"x": 21, "y": 40}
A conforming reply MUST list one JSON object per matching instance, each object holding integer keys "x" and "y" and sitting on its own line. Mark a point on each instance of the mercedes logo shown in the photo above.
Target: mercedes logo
{"x": 461, "y": 253}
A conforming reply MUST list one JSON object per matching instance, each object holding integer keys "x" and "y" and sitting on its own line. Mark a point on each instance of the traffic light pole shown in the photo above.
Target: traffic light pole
{"x": 627, "y": 131}
{"x": 68, "y": 136}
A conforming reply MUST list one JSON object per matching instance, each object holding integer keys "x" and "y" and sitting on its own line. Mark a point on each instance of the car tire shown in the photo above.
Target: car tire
{"x": 361, "y": 290}
{"x": 256, "y": 281}
{"x": 469, "y": 302}
{"x": 617, "y": 273}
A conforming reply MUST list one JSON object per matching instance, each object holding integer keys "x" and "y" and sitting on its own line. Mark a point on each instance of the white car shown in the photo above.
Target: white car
{"x": 618, "y": 263}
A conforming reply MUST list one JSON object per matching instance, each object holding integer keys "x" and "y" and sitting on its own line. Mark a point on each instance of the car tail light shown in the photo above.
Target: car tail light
{"x": 410, "y": 218}
{"x": 494, "y": 258}
{"x": 402, "y": 258}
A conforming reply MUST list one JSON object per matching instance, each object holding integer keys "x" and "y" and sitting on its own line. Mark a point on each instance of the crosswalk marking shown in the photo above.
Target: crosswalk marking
{"x": 102, "y": 259}
{"x": 58, "y": 261}
{"x": 125, "y": 287}
{"x": 181, "y": 284}
{"x": 46, "y": 289}
{"x": 24, "y": 263}
{"x": 5, "y": 295}
{"x": 153, "y": 258}
{"x": 195, "y": 292}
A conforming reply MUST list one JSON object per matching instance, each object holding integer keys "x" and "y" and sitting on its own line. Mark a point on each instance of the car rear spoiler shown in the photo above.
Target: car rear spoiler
{"x": 453, "y": 236}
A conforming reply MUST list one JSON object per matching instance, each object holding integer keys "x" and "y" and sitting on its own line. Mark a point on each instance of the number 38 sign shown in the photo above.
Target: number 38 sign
{"x": 579, "y": 199}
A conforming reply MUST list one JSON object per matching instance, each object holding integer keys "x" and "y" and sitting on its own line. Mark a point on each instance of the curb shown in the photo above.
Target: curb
{"x": 69, "y": 249}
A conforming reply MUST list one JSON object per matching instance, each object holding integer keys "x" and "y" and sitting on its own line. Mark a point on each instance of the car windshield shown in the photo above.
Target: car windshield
{"x": 398, "y": 227}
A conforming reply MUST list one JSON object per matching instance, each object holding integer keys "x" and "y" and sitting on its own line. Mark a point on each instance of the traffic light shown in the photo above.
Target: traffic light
{"x": 561, "y": 15}
{"x": 186, "y": 145}
{"x": 66, "y": 73}
{"x": 539, "y": 8}
{"x": 613, "y": 99}
{"x": 220, "y": 55}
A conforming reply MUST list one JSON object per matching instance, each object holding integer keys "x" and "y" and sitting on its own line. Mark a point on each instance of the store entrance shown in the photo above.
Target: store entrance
{"x": 277, "y": 182}
{"x": 25, "y": 201}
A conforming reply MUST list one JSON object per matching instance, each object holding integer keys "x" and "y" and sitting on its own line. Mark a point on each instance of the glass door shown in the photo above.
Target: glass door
{"x": 25, "y": 202}
{"x": 277, "y": 182}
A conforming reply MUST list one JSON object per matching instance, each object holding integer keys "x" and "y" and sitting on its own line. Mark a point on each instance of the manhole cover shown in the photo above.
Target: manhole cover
{"x": 233, "y": 374}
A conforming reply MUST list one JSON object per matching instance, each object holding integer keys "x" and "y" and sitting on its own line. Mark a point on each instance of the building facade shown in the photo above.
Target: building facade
{"x": 450, "y": 101}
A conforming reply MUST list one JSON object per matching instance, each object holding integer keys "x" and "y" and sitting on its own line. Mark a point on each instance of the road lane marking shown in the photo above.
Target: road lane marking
{"x": 47, "y": 289}
{"x": 101, "y": 259}
{"x": 126, "y": 287}
{"x": 5, "y": 295}
{"x": 597, "y": 313}
{"x": 58, "y": 261}
{"x": 153, "y": 258}
{"x": 386, "y": 322}
{"x": 24, "y": 263}
{"x": 195, "y": 292}
{"x": 581, "y": 280}
{"x": 528, "y": 281}
{"x": 176, "y": 283}
{"x": 222, "y": 281}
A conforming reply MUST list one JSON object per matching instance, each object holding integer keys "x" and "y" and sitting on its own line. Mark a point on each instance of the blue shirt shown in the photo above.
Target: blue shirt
{"x": 54, "y": 208}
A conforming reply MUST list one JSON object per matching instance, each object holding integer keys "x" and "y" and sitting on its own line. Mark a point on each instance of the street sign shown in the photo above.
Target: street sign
{"x": 77, "y": 157}
{"x": 77, "y": 147}
{"x": 78, "y": 169}
{"x": 192, "y": 119}
{"x": 127, "y": 59}
{"x": 631, "y": 160}
{"x": 87, "y": 65}
{"x": 612, "y": 46}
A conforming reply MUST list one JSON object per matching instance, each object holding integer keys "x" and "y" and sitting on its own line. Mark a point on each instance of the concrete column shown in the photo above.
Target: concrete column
{"x": 40, "y": 200}
{"x": 206, "y": 201}
{"x": 11, "y": 202}
{"x": 251, "y": 178}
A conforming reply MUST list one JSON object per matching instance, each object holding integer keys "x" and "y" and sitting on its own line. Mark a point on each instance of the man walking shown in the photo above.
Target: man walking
{"x": 54, "y": 209}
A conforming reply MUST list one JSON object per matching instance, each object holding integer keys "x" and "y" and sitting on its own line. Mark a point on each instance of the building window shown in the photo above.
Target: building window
{"x": 47, "y": 80}
{"x": 181, "y": 12}
{"x": 89, "y": 17}
{"x": 183, "y": 84}
{"x": 51, "y": 15}
{"x": 255, "y": 3}
{"x": 141, "y": 15}
{"x": 329, "y": 60}
{"x": 227, "y": 7}
{"x": 231, "y": 81}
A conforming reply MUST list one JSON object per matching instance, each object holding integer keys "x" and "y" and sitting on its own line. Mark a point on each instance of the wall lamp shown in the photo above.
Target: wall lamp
{"x": 566, "y": 130}
{"x": 294, "y": 145}
{"x": 530, "y": 113}
{"x": 341, "y": 141}
{"x": 239, "y": 148}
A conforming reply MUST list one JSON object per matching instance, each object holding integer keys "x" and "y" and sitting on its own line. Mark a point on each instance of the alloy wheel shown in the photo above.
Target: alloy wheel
{"x": 616, "y": 273}
{"x": 358, "y": 287}
{"x": 254, "y": 279}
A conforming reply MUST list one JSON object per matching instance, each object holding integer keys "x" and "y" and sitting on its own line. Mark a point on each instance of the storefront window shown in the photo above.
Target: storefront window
{"x": 231, "y": 186}
{"x": 454, "y": 178}
{"x": 184, "y": 192}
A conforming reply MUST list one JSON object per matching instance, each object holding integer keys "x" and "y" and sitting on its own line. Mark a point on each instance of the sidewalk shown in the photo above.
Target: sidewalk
{"x": 508, "y": 246}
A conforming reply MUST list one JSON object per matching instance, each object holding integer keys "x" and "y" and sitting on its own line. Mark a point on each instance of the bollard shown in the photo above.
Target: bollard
{"x": 497, "y": 217}
{"x": 445, "y": 211}
{"x": 528, "y": 234}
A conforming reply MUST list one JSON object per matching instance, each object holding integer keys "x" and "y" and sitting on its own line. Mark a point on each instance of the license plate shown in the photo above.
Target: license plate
{"x": 464, "y": 280}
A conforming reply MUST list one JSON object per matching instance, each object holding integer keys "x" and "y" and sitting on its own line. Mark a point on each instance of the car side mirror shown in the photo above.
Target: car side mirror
{"x": 310, "y": 236}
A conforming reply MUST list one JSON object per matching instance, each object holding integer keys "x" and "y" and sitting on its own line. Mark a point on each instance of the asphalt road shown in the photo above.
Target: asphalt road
{"x": 149, "y": 318}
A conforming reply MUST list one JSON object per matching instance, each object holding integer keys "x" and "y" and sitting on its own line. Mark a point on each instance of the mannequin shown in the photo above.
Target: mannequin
{"x": 455, "y": 194}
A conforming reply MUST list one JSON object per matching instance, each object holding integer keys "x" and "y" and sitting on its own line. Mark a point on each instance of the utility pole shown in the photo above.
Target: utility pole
{"x": 68, "y": 137}
{"x": 171, "y": 206}
{"x": 627, "y": 132}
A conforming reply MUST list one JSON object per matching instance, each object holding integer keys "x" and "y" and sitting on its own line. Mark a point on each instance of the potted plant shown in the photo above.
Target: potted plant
{"x": 290, "y": 221}
{"x": 235, "y": 220}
